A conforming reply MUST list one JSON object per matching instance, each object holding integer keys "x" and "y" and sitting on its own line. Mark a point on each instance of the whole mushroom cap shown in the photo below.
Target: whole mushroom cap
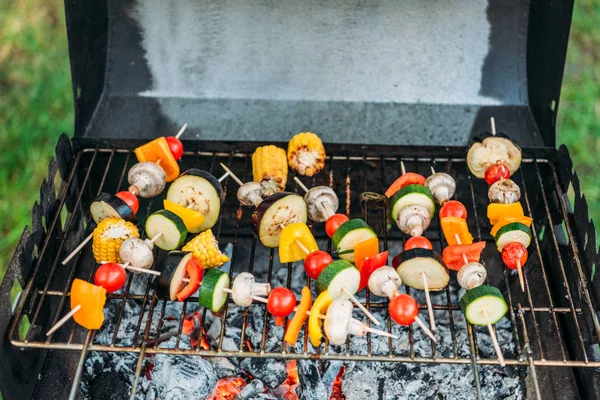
{"x": 320, "y": 201}
{"x": 148, "y": 177}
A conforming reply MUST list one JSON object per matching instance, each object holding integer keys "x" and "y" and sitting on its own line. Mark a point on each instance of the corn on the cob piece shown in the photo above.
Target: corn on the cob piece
{"x": 306, "y": 154}
{"x": 206, "y": 249}
{"x": 108, "y": 236}
{"x": 269, "y": 168}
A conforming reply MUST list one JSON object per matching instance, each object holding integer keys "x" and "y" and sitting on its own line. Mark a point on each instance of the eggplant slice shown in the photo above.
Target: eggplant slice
{"x": 412, "y": 263}
{"x": 491, "y": 150}
{"x": 170, "y": 282}
{"x": 108, "y": 205}
{"x": 277, "y": 210}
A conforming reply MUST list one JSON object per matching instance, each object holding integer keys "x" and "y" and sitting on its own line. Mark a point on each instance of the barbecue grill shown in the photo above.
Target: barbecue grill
{"x": 381, "y": 82}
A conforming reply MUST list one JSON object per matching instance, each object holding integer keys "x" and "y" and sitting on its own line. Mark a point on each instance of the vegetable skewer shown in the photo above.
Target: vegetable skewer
{"x": 321, "y": 201}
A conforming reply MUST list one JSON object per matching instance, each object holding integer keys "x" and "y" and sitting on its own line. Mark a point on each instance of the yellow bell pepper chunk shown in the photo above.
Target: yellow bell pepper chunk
{"x": 452, "y": 226}
{"x": 156, "y": 150}
{"x": 507, "y": 219}
{"x": 320, "y": 307}
{"x": 91, "y": 299}
{"x": 495, "y": 211}
{"x": 294, "y": 240}
{"x": 192, "y": 219}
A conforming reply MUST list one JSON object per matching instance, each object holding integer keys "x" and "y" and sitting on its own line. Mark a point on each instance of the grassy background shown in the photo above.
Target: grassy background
{"x": 36, "y": 104}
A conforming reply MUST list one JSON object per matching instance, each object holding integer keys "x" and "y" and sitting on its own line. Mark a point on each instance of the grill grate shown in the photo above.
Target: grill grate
{"x": 552, "y": 324}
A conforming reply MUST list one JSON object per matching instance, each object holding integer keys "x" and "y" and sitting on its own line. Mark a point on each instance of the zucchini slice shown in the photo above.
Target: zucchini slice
{"x": 481, "y": 298}
{"x": 211, "y": 294}
{"x": 170, "y": 282}
{"x": 172, "y": 228}
{"x": 200, "y": 191}
{"x": 107, "y": 205}
{"x": 513, "y": 232}
{"x": 277, "y": 210}
{"x": 348, "y": 235}
{"x": 409, "y": 195}
{"x": 337, "y": 275}
{"x": 412, "y": 263}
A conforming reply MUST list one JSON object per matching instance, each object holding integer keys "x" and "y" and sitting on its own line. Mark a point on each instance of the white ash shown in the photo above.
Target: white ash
{"x": 181, "y": 377}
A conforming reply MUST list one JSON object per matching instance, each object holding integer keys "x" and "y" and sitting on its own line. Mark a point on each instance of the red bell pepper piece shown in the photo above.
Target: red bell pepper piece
{"x": 370, "y": 265}
{"x": 453, "y": 255}
{"x": 195, "y": 273}
{"x": 409, "y": 178}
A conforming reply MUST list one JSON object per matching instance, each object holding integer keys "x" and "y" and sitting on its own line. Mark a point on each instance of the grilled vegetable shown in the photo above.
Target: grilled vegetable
{"x": 452, "y": 226}
{"x": 146, "y": 179}
{"x": 514, "y": 254}
{"x": 493, "y": 149}
{"x": 411, "y": 195}
{"x": 90, "y": 298}
{"x": 211, "y": 294}
{"x": 200, "y": 191}
{"x": 175, "y": 146}
{"x": 295, "y": 325}
{"x": 339, "y": 322}
{"x": 110, "y": 276}
{"x": 108, "y": 236}
{"x": 403, "y": 309}
{"x": 507, "y": 219}
{"x": 291, "y": 235}
{"x": 137, "y": 252}
{"x": 192, "y": 219}
{"x": 496, "y": 172}
{"x": 269, "y": 168}
{"x": 471, "y": 275}
{"x": 364, "y": 250}
{"x": 315, "y": 263}
{"x": 321, "y": 202}
{"x": 348, "y": 235}
{"x": 320, "y": 306}
{"x": 482, "y": 300}
{"x": 280, "y": 209}
{"x": 281, "y": 303}
{"x": 412, "y": 263}
{"x": 244, "y": 287}
{"x": 409, "y": 178}
{"x": 417, "y": 242}
{"x": 495, "y": 211}
{"x": 453, "y": 208}
{"x": 306, "y": 154}
{"x": 159, "y": 150}
{"x": 334, "y": 222}
{"x": 171, "y": 227}
{"x": 336, "y": 276}
{"x": 385, "y": 282}
{"x": 453, "y": 255}
{"x": 369, "y": 266}
{"x": 130, "y": 199}
{"x": 206, "y": 250}
{"x": 413, "y": 219}
{"x": 250, "y": 194}
{"x": 107, "y": 205}
{"x": 442, "y": 186}
{"x": 514, "y": 232}
{"x": 504, "y": 191}
{"x": 178, "y": 266}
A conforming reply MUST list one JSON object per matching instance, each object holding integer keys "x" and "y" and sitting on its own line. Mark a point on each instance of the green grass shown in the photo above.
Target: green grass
{"x": 36, "y": 105}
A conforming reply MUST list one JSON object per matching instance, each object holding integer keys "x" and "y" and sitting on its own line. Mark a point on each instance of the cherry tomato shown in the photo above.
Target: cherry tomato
{"x": 131, "y": 200}
{"x": 403, "y": 309}
{"x": 176, "y": 147}
{"x": 315, "y": 262}
{"x": 369, "y": 266}
{"x": 417, "y": 242}
{"x": 110, "y": 276}
{"x": 453, "y": 208}
{"x": 496, "y": 172}
{"x": 281, "y": 303}
{"x": 512, "y": 253}
{"x": 334, "y": 222}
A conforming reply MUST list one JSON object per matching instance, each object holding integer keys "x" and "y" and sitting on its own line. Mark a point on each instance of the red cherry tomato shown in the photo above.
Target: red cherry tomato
{"x": 496, "y": 172}
{"x": 131, "y": 200}
{"x": 281, "y": 303}
{"x": 369, "y": 266}
{"x": 403, "y": 309}
{"x": 453, "y": 208}
{"x": 110, "y": 276}
{"x": 512, "y": 253}
{"x": 315, "y": 262}
{"x": 334, "y": 222}
{"x": 417, "y": 242}
{"x": 176, "y": 147}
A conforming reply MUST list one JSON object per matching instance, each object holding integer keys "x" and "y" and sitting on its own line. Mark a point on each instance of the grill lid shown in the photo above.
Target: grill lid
{"x": 412, "y": 72}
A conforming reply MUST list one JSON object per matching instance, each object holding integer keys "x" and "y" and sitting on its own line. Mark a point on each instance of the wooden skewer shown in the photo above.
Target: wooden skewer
{"x": 520, "y": 271}
{"x": 493, "y": 122}
{"x": 155, "y": 238}
{"x": 362, "y": 308}
{"x": 425, "y": 328}
{"x": 428, "y": 299}
{"x": 230, "y": 172}
{"x": 63, "y": 320}
{"x": 432, "y": 171}
{"x": 78, "y": 248}
{"x": 494, "y": 339}
{"x": 128, "y": 267}
{"x": 402, "y": 167}
{"x": 181, "y": 131}
{"x": 301, "y": 184}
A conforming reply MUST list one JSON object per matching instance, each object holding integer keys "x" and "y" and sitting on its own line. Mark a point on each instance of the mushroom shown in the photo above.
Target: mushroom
{"x": 244, "y": 288}
{"x": 384, "y": 282}
{"x": 147, "y": 179}
{"x": 413, "y": 219}
{"x": 137, "y": 252}
{"x": 504, "y": 191}
{"x": 339, "y": 323}
{"x": 321, "y": 203}
{"x": 442, "y": 186}
{"x": 250, "y": 194}
{"x": 471, "y": 275}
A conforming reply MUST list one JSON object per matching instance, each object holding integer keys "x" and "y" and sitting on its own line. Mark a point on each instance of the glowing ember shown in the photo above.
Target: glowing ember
{"x": 291, "y": 383}
{"x": 228, "y": 388}
{"x": 336, "y": 392}
{"x": 192, "y": 326}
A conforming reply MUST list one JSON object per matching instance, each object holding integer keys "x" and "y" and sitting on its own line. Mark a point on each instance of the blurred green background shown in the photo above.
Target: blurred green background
{"x": 36, "y": 104}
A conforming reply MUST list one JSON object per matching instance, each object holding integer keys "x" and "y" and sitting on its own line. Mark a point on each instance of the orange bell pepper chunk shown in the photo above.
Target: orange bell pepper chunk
{"x": 495, "y": 211}
{"x": 364, "y": 250}
{"x": 156, "y": 150}
{"x": 451, "y": 226}
{"x": 291, "y": 235}
{"x": 295, "y": 325}
{"x": 507, "y": 219}
{"x": 91, "y": 298}
{"x": 409, "y": 178}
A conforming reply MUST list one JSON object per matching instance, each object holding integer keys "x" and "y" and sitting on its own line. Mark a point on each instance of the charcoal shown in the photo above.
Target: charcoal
{"x": 271, "y": 372}
{"x": 224, "y": 367}
{"x": 361, "y": 383}
{"x": 309, "y": 377}
{"x": 108, "y": 385}
{"x": 179, "y": 377}
{"x": 251, "y": 390}
{"x": 331, "y": 370}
